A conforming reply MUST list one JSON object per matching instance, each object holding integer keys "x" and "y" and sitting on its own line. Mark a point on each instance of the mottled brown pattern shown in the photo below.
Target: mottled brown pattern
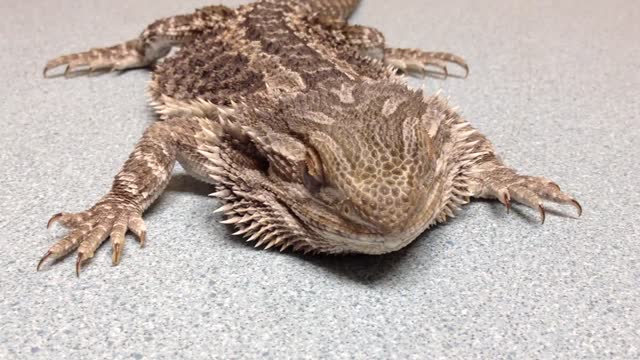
{"x": 206, "y": 69}
{"x": 303, "y": 126}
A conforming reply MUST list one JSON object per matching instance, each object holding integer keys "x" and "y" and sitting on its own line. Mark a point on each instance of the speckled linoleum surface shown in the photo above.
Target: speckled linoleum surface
{"x": 555, "y": 85}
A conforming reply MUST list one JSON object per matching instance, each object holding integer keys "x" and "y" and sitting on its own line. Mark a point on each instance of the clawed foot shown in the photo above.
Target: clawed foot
{"x": 89, "y": 229}
{"x": 422, "y": 63}
{"x": 124, "y": 56}
{"x": 531, "y": 191}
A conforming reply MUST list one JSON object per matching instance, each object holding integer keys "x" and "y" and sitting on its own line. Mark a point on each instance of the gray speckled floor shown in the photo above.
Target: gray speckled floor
{"x": 556, "y": 86}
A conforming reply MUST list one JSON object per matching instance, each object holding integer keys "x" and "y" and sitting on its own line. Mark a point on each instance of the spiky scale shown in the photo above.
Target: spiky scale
{"x": 232, "y": 220}
{"x": 223, "y": 209}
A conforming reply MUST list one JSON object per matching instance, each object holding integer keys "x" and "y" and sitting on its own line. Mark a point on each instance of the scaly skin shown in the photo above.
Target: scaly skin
{"x": 300, "y": 121}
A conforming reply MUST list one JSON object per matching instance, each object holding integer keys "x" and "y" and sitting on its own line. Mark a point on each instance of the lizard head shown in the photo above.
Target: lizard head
{"x": 354, "y": 164}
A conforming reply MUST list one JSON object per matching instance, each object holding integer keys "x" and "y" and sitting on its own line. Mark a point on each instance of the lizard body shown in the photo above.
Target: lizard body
{"x": 302, "y": 123}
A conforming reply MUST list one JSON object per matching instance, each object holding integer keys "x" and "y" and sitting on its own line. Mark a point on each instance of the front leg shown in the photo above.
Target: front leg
{"x": 142, "y": 179}
{"x": 488, "y": 177}
{"x": 154, "y": 43}
{"x": 494, "y": 180}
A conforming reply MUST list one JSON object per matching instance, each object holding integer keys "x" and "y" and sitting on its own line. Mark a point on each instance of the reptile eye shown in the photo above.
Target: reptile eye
{"x": 312, "y": 173}
{"x": 312, "y": 183}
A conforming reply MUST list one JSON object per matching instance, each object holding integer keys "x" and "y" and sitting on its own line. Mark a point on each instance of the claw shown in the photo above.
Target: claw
{"x": 578, "y": 207}
{"x": 142, "y": 238}
{"x": 49, "y": 66}
{"x": 49, "y": 253}
{"x": 79, "y": 262}
{"x": 466, "y": 70}
{"x": 67, "y": 71}
{"x": 542, "y": 213}
{"x": 506, "y": 202}
{"x": 555, "y": 186}
{"x": 117, "y": 252}
{"x": 53, "y": 219}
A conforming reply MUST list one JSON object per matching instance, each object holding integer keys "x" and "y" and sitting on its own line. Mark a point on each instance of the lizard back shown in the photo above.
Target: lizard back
{"x": 266, "y": 48}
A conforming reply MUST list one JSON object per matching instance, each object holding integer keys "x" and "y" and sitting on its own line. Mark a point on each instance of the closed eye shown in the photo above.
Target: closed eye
{"x": 312, "y": 183}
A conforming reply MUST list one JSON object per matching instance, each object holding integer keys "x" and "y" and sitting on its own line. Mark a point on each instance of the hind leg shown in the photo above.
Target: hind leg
{"x": 419, "y": 62}
{"x": 414, "y": 62}
{"x": 154, "y": 43}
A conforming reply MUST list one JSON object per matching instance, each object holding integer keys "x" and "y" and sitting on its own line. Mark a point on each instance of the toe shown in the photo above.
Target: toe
{"x": 94, "y": 239}
{"x": 450, "y": 58}
{"x": 70, "y": 242}
{"x": 54, "y": 219}
{"x": 440, "y": 65}
{"x": 52, "y": 64}
{"x": 43, "y": 259}
{"x": 138, "y": 227}
{"x": 117, "y": 240}
{"x": 69, "y": 220}
{"x": 529, "y": 198}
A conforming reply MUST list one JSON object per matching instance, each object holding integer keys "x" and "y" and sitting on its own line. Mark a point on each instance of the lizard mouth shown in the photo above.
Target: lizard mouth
{"x": 368, "y": 243}
{"x": 349, "y": 236}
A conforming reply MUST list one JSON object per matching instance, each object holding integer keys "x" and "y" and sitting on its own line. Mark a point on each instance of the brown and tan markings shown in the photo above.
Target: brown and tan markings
{"x": 303, "y": 126}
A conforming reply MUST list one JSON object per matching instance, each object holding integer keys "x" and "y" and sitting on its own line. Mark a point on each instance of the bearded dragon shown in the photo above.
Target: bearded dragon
{"x": 304, "y": 125}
